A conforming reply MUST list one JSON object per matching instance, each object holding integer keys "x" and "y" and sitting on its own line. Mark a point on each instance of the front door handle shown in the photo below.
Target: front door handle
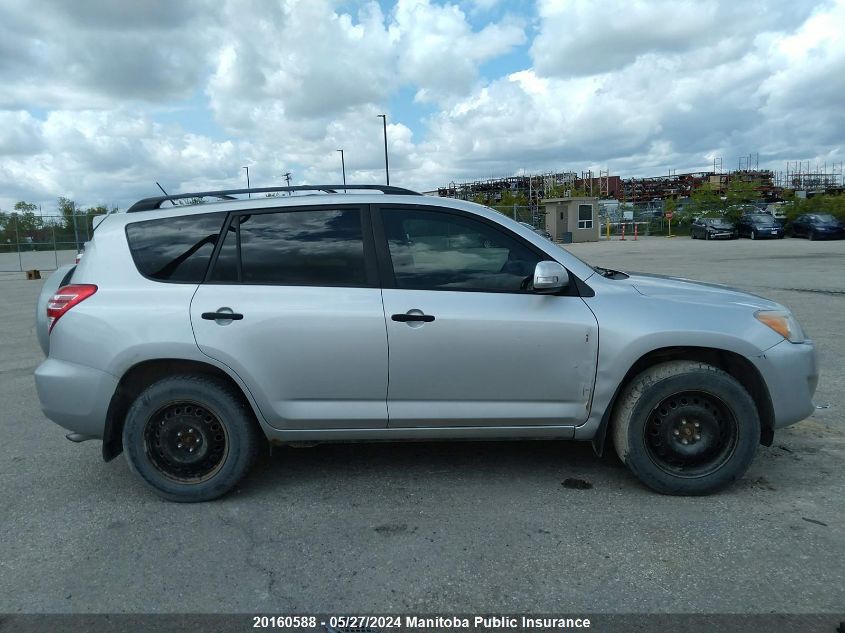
{"x": 406, "y": 318}
{"x": 228, "y": 316}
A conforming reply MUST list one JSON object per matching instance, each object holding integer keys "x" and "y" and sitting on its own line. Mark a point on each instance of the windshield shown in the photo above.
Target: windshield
{"x": 763, "y": 219}
{"x": 824, "y": 217}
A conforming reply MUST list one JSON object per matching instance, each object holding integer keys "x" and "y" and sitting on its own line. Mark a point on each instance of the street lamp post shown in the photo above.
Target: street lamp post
{"x": 247, "y": 181}
{"x": 343, "y": 168}
{"x": 386, "y": 166}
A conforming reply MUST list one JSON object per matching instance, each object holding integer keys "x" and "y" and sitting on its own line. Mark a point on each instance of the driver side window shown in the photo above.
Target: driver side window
{"x": 432, "y": 250}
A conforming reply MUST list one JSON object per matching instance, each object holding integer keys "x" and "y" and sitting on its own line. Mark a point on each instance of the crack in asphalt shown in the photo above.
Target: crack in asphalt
{"x": 832, "y": 293}
{"x": 252, "y": 558}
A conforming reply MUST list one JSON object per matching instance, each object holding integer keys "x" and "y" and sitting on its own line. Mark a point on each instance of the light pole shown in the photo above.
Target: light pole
{"x": 247, "y": 181}
{"x": 343, "y": 168}
{"x": 386, "y": 167}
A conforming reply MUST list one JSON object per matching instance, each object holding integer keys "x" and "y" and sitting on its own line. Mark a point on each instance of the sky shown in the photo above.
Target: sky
{"x": 102, "y": 98}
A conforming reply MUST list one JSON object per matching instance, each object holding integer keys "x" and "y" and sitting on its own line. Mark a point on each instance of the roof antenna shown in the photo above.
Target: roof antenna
{"x": 165, "y": 193}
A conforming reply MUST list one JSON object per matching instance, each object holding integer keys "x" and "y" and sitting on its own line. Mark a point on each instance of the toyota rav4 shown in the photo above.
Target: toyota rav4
{"x": 191, "y": 334}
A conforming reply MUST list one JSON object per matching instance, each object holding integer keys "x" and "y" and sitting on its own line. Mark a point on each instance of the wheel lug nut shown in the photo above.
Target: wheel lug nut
{"x": 178, "y": 446}
{"x": 697, "y": 436}
{"x": 179, "y": 434}
{"x": 191, "y": 431}
{"x": 697, "y": 424}
{"x": 677, "y": 432}
{"x": 190, "y": 450}
{"x": 685, "y": 441}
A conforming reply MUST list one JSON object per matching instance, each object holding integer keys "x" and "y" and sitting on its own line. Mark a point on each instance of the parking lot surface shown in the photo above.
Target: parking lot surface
{"x": 442, "y": 527}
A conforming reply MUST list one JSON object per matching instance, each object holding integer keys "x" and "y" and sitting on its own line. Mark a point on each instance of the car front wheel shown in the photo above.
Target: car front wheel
{"x": 685, "y": 428}
{"x": 190, "y": 438}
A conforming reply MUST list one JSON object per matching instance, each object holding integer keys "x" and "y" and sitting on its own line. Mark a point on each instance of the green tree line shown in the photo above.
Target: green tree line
{"x": 25, "y": 225}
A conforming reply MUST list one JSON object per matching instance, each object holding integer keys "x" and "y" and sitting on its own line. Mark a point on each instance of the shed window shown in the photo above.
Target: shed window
{"x": 585, "y": 216}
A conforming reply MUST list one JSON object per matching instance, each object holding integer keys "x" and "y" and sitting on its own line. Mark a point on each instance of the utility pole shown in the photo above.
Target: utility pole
{"x": 343, "y": 168}
{"x": 287, "y": 176}
{"x": 75, "y": 228}
{"x": 247, "y": 181}
{"x": 386, "y": 167}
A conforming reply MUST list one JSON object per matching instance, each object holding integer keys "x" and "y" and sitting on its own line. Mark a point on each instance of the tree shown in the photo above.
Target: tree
{"x": 742, "y": 191}
{"x": 706, "y": 200}
{"x": 24, "y": 207}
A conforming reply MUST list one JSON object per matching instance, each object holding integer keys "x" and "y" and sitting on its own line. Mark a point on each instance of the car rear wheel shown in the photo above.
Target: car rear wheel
{"x": 190, "y": 438}
{"x": 685, "y": 428}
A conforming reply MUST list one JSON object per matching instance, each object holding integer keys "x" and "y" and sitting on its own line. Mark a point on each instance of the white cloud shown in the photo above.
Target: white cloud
{"x": 99, "y": 97}
{"x": 438, "y": 50}
{"x": 581, "y": 37}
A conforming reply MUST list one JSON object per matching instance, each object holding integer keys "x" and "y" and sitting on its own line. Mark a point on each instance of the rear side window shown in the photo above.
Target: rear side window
{"x": 174, "y": 249}
{"x": 315, "y": 247}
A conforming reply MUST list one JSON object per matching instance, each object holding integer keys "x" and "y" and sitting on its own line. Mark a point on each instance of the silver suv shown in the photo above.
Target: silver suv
{"x": 190, "y": 334}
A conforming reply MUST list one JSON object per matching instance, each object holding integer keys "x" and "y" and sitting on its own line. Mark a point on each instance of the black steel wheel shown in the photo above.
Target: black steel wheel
{"x": 186, "y": 441}
{"x": 685, "y": 428}
{"x": 190, "y": 437}
{"x": 691, "y": 434}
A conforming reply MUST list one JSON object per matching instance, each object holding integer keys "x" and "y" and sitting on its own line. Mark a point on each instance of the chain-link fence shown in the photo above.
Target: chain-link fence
{"x": 644, "y": 220}
{"x": 533, "y": 215}
{"x": 43, "y": 242}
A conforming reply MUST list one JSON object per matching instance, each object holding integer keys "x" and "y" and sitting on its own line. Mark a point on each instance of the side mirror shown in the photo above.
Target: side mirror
{"x": 550, "y": 277}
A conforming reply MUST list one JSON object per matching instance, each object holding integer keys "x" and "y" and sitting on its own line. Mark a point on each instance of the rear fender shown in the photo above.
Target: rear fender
{"x": 61, "y": 277}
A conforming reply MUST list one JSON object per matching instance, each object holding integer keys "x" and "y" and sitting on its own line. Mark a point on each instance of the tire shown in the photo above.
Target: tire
{"x": 190, "y": 438}
{"x": 685, "y": 401}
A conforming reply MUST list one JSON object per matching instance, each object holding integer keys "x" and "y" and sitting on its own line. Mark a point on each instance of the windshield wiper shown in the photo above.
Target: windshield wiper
{"x": 609, "y": 272}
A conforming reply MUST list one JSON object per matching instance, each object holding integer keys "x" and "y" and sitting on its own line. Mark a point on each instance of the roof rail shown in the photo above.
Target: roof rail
{"x": 149, "y": 204}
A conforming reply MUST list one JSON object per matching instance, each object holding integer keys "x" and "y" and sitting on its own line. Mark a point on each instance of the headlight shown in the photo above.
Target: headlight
{"x": 783, "y": 323}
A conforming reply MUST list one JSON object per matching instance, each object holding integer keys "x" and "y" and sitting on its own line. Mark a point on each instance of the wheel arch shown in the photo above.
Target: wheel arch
{"x": 736, "y": 365}
{"x": 142, "y": 375}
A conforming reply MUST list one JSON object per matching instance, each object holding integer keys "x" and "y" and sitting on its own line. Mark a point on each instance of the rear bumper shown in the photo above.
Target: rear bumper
{"x": 74, "y": 396}
{"x": 791, "y": 373}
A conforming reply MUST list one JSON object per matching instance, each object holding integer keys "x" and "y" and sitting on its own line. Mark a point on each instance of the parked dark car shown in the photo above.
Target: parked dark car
{"x": 712, "y": 229}
{"x": 818, "y": 226}
{"x": 759, "y": 225}
{"x": 538, "y": 231}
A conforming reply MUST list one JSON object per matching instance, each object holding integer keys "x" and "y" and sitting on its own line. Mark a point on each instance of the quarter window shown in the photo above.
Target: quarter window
{"x": 585, "y": 216}
{"x": 175, "y": 249}
{"x": 433, "y": 250}
{"x": 320, "y": 247}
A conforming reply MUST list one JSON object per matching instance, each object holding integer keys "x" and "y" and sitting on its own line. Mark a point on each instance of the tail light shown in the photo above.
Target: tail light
{"x": 64, "y": 299}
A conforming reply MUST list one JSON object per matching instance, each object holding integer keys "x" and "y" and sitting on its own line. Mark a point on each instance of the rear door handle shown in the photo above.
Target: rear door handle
{"x": 405, "y": 318}
{"x": 229, "y": 316}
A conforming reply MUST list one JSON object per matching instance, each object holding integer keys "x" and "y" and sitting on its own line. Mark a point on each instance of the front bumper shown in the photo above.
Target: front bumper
{"x": 74, "y": 396}
{"x": 791, "y": 373}
{"x": 829, "y": 235}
